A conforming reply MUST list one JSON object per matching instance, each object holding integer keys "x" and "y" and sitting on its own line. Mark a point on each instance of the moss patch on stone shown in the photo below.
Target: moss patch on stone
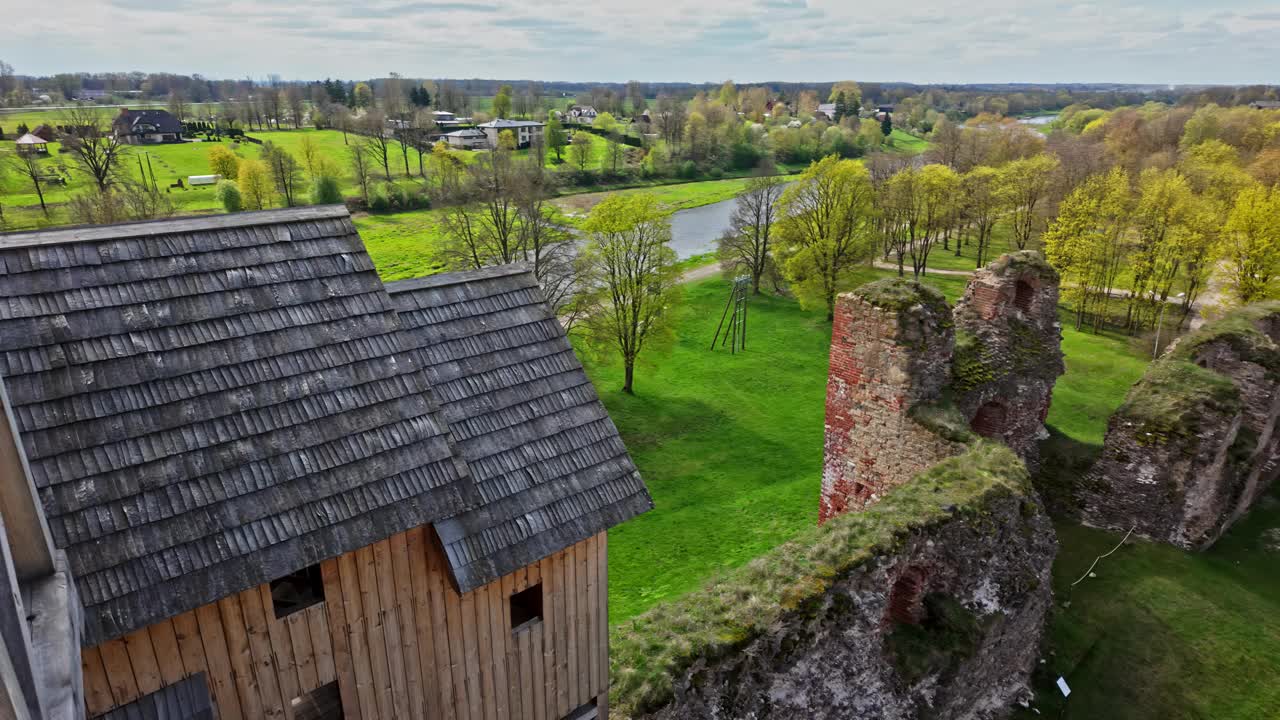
{"x": 900, "y": 295}
{"x": 970, "y": 365}
{"x": 649, "y": 652}
{"x": 1025, "y": 261}
{"x": 1170, "y": 401}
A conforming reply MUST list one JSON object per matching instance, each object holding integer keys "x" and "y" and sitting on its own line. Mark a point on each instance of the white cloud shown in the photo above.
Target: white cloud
{"x": 694, "y": 40}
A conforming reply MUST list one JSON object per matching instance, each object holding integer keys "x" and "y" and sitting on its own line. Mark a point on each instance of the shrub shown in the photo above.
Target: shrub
{"x": 716, "y": 173}
{"x": 228, "y": 194}
{"x": 378, "y": 200}
{"x": 688, "y": 169}
{"x": 325, "y": 191}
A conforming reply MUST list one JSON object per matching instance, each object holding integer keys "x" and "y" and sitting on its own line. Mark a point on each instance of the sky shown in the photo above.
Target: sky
{"x": 923, "y": 41}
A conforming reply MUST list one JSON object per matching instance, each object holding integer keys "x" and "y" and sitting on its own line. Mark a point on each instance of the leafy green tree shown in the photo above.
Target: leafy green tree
{"x": 325, "y": 191}
{"x": 605, "y": 122}
{"x": 920, "y": 203}
{"x": 285, "y": 171}
{"x": 825, "y": 228}
{"x": 1086, "y": 243}
{"x": 256, "y": 187}
{"x": 502, "y": 102}
{"x": 228, "y": 194}
{"x": 634, "y": 275}
{"x": 1024, "y": 189}
{"x": 362, "y": 96}
{"x": 886, "y": 125}
{"x": 580, "y": 150}
{"x": 556, "y": 138}
{"x": 983, "y": 204}
{"x": 1250, "y": 245}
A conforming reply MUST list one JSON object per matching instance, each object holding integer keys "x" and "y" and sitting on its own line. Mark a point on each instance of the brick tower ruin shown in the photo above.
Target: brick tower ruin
{"x": 911, "y": 382}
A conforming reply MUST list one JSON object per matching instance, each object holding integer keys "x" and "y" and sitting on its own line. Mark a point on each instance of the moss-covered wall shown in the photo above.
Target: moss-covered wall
{"x": 929, "y": 603}
{"x": 1195, "y": 442}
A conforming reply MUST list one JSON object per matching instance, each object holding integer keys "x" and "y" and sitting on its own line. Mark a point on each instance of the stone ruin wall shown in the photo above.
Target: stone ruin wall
{"x": 890, "y": 358}
{"x": 1010, "y": 352}
{"x": 837, "y": 659}
{"x": 1188, "y": 483}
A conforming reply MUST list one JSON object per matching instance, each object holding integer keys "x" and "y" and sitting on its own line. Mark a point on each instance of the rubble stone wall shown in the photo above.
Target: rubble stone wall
{"x": 1195, "y": 443}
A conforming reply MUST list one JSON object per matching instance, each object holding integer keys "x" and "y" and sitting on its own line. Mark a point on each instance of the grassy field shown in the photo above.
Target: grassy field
{"x": 403, "y": 245}
{"x": 171, "y": 163}
{"x": 729, "y": 445}
{"x": 1164, "y": 634}
{"x": 904, "y": 142}
{"x": 676, "y": 196}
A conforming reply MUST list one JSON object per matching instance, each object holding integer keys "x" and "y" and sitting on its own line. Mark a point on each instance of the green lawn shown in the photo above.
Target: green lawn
{"x": 904, "y": 142}
{"x": 1161, "y": 634}
{"x": 729, "y": 445}
{"x": 403, "y": 245}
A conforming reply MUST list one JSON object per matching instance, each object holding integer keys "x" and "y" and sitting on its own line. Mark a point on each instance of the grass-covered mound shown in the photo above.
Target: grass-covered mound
{"x": 1169, "y": 402}
{"x": 901, "y": 295}
{"x": 649, "y": 652}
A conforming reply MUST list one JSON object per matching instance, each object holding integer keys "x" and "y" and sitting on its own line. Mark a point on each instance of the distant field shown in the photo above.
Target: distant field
{"x": 904, "y": 142}
{"x": 171, "y": 163}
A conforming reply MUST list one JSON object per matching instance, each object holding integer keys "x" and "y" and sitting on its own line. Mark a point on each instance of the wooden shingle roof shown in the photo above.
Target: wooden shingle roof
{"x": 545, "y": 458}
{"x": 207, "y": 404}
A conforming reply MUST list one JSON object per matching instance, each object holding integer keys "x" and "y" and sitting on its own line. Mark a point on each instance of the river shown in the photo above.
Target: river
{"x": 696, "y": 230}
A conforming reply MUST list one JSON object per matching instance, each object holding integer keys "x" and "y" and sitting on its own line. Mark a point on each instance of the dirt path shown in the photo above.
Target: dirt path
{"x": 881, "y": 265}
{"x": 699, "y": 273}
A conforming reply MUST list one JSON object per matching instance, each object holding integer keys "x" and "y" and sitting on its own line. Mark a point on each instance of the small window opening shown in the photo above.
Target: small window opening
{"x": 526, "y": 607}
{"x": 1022, "y": 295}
{"x": 584, "y": 712}
{"x": 323, "y": 703}
{"x": 906, "y": 598}
{"x": 297, "y": 591}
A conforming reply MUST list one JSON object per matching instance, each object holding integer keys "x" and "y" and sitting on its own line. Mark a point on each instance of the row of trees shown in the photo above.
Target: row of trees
{"x": 1204, "y": 200}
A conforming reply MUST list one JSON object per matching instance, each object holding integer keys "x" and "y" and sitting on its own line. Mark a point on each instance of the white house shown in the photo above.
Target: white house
{"x": 469, "y": 139}
{"x": 526, "y": 131}
{"x": 582, "y": 113}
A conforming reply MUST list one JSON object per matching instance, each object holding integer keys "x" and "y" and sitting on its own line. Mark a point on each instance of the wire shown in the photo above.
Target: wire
{"x": 1095, "y": 560}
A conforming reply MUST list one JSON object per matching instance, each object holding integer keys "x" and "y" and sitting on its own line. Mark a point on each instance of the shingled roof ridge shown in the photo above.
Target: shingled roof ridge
{"x": 169, "y": 226}
{"x": 458, "y": 277}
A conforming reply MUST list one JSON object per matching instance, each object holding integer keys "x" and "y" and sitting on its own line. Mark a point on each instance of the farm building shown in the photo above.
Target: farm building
{"x": 146, "y": 127}
{"x": 286, "y": 490}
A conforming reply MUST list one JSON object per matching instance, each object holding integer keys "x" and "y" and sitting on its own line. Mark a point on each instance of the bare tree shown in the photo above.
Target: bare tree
{"x": 745, "y": 246}
{"x": 94, "y": 151}
{"x": 340, "y": 116}
{"x": 178, "y": 105}
{"x": 373, "y": 127}
{"x": 297, "y": 108}
{"x": 361, "y": 168}
{"x": 25, "y": 164}
{"x": 284, "y": 171}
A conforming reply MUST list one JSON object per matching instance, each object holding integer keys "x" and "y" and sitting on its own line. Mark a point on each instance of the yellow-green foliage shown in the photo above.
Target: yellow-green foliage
{"x": 650, "y": 651}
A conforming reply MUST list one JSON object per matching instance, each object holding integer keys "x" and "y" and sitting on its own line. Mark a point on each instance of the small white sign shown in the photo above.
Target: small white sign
{"x": 1062, "y": 685}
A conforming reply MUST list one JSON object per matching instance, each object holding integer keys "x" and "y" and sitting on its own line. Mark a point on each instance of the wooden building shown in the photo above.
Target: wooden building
{"x": 287, "y": 490}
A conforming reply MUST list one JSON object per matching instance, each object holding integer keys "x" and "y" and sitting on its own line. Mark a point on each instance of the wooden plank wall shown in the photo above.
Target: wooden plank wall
{"x": 395, "y": 635}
